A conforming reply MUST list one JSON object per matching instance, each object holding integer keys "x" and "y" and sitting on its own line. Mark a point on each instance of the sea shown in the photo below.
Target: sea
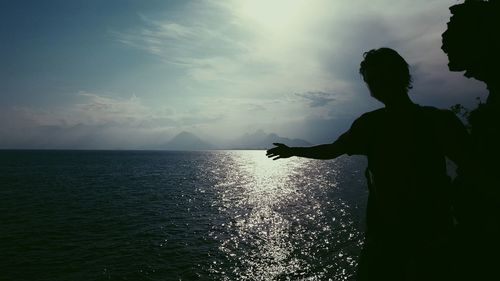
{"x": 179, "y": 215}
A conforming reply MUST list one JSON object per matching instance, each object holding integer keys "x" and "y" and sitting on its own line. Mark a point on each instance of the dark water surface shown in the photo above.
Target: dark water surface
{"x": 154, "y": 215}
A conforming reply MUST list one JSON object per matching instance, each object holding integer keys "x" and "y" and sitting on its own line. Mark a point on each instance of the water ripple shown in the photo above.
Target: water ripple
{"x": 279, "y": 223}
{"x": 215, "y": 215}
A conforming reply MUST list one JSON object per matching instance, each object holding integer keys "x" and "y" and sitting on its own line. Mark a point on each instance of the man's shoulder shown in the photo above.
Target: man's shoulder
{"x": 427, "y": 113}
{"x": 443, "y": 120}
{"x": 371, "y": 116}
{"x": 374, "y": 113}
{"x": 367, "y": 119}
{"x": 438, "y": 112}
{"x": 433, "y": 109}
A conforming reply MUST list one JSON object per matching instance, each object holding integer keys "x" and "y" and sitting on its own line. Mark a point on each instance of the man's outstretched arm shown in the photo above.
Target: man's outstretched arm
{"x": 323, "y": 151}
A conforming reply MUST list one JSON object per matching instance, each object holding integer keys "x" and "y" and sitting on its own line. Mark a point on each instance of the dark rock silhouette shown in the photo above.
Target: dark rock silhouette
{"x": 472, "y": 45}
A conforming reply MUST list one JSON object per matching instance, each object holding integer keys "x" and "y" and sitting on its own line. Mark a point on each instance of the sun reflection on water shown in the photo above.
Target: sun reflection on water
{"x": 276, "y": 227}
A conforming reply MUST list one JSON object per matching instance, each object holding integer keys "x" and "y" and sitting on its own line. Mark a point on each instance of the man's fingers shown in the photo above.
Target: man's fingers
{"x": 277, "y": 151}
{"x": 271, "y": 153}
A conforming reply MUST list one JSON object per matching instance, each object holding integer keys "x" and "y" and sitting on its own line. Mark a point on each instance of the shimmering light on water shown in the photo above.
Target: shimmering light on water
{"x": 278, "y": 228}
{"x": 153, "y": 215}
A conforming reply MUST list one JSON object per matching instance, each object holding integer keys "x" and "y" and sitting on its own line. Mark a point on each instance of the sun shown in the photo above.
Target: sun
{"x": 272, "y": 15}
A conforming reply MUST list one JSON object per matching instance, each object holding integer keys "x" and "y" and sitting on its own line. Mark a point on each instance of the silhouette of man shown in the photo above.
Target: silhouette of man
{"x": 409, "y": 218}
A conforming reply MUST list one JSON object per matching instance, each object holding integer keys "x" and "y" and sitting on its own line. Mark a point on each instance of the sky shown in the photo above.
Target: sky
{"x": 131, "y": 74}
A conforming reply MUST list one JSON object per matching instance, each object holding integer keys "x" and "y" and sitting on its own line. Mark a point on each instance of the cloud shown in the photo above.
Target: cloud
{"x": 267, "y": 48}
{"x": 97, "y": 121}
{"x": 317, "y": 99}
{"x": 229, "y": 48}
{"x": 192, "y": 41}
{"x": 98, "y": 109}
{"x": 223, "y": 68}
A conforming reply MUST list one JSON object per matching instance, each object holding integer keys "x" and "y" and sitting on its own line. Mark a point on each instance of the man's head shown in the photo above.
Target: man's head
{"x": 386, "y": 73}
{"x": 472, "y": 40}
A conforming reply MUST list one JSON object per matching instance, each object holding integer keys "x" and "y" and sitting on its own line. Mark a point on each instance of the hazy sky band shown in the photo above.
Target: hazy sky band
{"x": 129, "y": 74}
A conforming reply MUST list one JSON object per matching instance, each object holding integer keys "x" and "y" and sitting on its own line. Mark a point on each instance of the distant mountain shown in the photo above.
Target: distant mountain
{"x": 262, "y": 140}
{"x": 256, "y": 140}
{"x": 187, "y": 141}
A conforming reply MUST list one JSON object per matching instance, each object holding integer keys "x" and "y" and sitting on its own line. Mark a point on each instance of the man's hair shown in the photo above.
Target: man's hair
{"x": 384, "y": 67}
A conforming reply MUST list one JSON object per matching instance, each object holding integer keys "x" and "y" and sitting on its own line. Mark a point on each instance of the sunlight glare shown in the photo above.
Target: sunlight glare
{"x": 252, "y": 193}
{"x": 272, "y": 15}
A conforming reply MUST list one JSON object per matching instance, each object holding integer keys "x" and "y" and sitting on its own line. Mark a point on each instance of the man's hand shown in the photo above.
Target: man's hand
{"x": 280, "y": 151}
